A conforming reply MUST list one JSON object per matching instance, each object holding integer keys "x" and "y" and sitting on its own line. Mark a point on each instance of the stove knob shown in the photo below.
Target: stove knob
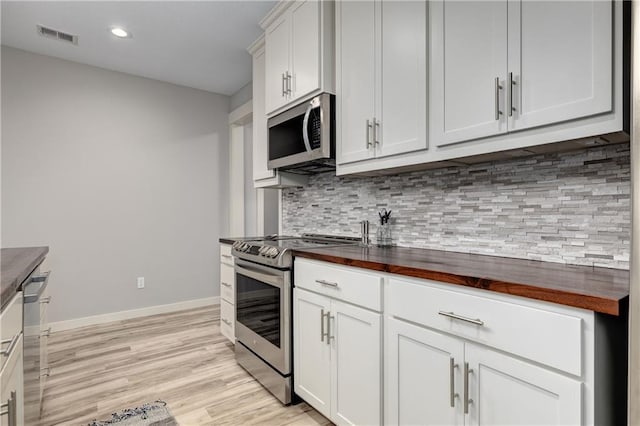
{"x": 273, "y": 252}
{"x": 235, "y": 245}
{"x": 245, "y": 247}
{"x": 261, "y": 251}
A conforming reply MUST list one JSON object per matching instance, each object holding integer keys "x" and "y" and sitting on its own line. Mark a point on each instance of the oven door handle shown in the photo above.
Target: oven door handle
{"x": 274, "y": 280}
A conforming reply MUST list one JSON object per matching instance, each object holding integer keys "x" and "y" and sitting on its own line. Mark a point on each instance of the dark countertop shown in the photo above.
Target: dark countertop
{"x": 596, "y": 289}
{"x": 16, "y": 264}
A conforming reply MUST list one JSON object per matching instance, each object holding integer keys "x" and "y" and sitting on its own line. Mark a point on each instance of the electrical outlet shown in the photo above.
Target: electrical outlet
{"x": 140, "y": 282}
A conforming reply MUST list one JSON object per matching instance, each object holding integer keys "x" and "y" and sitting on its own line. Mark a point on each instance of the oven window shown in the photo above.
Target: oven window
{"x": 258, "y": 307}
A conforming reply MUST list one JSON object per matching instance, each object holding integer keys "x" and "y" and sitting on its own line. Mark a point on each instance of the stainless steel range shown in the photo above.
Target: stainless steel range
{"x": 263, "y": 269}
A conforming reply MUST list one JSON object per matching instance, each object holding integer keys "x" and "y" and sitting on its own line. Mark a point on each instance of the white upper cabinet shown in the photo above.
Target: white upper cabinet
{"x": 502, "y": 66}
{"x": 277, "y": 37}
{"x": 299, "y": 51}
{"x": 469, "y": 57}
{"x": 263, "y": 177}
{"x": 355, "y": 100}
{"x": 560, "y": 60}
{"x": 305, "y": 47}
{"x": 381, "y": 78}
{"x": 402, "y": 103}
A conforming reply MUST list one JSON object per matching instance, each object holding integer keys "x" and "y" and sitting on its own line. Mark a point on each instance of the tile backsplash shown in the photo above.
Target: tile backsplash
{"x": 567, "y": 207}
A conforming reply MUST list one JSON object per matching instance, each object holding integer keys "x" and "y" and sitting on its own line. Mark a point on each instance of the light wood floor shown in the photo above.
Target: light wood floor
{"x": 180, "y": 358}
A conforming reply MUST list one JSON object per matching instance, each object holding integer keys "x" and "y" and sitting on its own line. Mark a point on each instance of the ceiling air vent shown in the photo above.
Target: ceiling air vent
{"x": 58, "y": 35}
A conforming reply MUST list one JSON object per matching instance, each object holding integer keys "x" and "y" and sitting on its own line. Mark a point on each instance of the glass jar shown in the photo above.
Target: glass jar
{"x": 383, "y": 236}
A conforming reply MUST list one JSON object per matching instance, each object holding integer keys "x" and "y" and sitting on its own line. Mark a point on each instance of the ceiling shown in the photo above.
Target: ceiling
{"x": 200, "y": 44}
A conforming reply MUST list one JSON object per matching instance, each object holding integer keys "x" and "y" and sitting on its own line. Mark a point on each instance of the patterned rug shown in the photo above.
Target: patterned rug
{"x": 152, "y": 414}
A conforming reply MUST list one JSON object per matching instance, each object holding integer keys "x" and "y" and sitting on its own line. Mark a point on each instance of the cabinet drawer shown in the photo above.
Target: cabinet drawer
{"x": 227, "y": 320}
{"x": 11, "y": 324}
{"x": 545, "y": 336}
{"x": 352, "y": 285}
{"x": 225, "y": 254}
{"x": 227, "y": 281}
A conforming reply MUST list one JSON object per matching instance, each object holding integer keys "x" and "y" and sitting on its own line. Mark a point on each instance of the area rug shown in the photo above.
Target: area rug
{"x": 152, "y": 414}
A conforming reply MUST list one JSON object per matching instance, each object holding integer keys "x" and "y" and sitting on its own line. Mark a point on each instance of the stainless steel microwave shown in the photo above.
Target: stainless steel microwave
{"x": 302, "y": 139}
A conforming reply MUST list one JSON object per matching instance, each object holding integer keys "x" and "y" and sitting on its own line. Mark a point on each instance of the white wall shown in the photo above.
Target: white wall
{"x": 121, "y": 176}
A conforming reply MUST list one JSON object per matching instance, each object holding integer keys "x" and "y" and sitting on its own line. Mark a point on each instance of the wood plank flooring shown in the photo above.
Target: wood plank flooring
{"x": 180, "y": 358}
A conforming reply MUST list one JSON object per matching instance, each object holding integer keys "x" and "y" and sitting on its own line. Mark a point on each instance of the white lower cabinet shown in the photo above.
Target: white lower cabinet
{"x": 504, "y": 390}
{"x": 227, "y": 293}
{"x": 11, "y": 364}
{"x": 337, "y": 358}
{"x": 436, "y": 379}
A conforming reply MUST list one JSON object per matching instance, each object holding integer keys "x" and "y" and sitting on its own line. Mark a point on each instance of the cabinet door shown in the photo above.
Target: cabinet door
{"x": 311, "y": 350}
{"x": 560, "y": 54}
{"x": 507, "y": 391}
{"x": 305, "y": 47}
{"x": 355, "y": 23}
{"x": 11, "y": 385}
{"x": 402, "y": 103}
{"x": 423, "y": 369}
{"x": 277, "y": 38}
{"x": 260, "y": 170}
{"x": 469, "y": 57}
{"x": 356, "y": 337}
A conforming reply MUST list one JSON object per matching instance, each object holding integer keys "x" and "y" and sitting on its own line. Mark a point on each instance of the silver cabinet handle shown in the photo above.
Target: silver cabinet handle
{"x": 283, "y": 83}
{"x": 289, "y": 77}
{"x": 376, "y": 126}
{"x": 511, "y": 84}
{"x": 329, "y": 283}
{"x": 475, "y": 321}
{"x": 12, "y": 344}
{"x": 44, "y": 280}
{"x": 467, "y": 400}
{"x": 322, "y": 333}
{"x": 369, "y": 126}
{"x": 329, "y": 336}
{"x": 225, "y": 284}
{"x": 226, "y": 321}
{"x": 47, "y": 374}
{"x": 45, "y": 300}
{"x": 9, "y": 409}
{"x": 46, "y": 333}
{"x": 498, "y": 87}
{"x": 452, "y": 392}
{"x": 226, "y": 256}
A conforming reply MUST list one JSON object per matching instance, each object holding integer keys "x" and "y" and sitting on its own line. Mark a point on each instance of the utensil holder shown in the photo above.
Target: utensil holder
{"x": 383, "y": 236}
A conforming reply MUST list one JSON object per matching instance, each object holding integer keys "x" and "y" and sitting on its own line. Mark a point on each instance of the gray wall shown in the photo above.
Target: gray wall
{"x": 241, "y": 97}
{"x": 121, "y": 176}
{"x": 569, "y": 208}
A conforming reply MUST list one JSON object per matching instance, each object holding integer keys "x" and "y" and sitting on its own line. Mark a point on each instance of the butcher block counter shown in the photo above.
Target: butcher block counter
{"x": 16, "y": 264}
{"x": 602, "y": 290}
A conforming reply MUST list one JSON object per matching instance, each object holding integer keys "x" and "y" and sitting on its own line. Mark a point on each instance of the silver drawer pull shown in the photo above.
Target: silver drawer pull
{"x": 46, "y": 333}
{"x": 10, "y": 409}
{"x": 475, "y": 321}
{"x": 46, "y": 300}
{"x": 12, "y": 344}
{"x": 226, "y": 256}
{"x": 329, "y": 283}
{"x": 225, "y": 284}
{"x": 226, "y": 321}
{"x": 48, "y": 372}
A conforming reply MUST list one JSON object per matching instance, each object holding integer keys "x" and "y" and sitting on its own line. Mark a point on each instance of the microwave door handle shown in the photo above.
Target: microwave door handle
{"x": 305, "y": 127}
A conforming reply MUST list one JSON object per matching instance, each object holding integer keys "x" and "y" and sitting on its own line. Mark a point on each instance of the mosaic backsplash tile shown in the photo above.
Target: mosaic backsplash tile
{"x": 568, "y": 207}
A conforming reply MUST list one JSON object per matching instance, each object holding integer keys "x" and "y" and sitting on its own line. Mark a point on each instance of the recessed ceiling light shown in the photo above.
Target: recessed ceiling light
{"x": 120, "y": 32}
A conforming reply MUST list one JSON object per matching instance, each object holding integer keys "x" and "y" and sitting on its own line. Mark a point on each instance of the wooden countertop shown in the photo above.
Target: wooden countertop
{"x": 596, "y": 289}
{"x": 15, "y": 266}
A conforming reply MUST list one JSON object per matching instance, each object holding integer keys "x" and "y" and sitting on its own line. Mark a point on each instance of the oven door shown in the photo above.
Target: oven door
{"x": 263, "y": 311}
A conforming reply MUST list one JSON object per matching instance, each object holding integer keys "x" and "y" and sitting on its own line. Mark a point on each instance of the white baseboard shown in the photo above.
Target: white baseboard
{"x": 134, "y": 313}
